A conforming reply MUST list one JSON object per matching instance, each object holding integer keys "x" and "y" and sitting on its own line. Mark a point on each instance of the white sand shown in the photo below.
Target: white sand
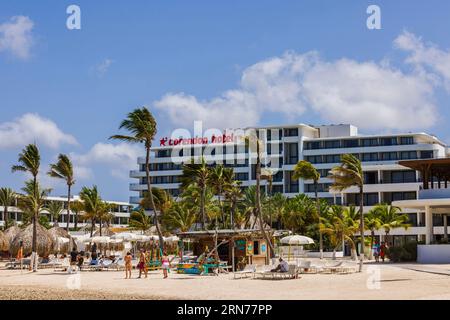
{"x": 397, "y": 282}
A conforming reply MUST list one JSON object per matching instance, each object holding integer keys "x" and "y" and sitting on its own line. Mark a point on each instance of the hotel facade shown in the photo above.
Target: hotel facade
{"x": 120, "y": 210}
{"x": 386, "y": 180}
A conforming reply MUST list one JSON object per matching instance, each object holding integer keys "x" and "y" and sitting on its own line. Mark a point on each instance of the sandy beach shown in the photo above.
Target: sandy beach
{"x": 395, "y": 281}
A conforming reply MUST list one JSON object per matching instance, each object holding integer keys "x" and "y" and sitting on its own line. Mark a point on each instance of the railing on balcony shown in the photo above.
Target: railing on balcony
{"x": 434, "y": 194}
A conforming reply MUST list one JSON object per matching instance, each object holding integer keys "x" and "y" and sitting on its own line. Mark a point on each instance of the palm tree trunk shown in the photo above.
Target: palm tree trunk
{"x": 92, "y": 226}
{"x": 152, "y": 202}
{"x": 319, "y": 214}
{"x": 100, "y": 227}
{"x": 258, "y": 201}
{"x": 35, "y": 221}
{"x": 5, "y": 216}
{"x": 202, "y": 206}
{"x": 76, "y": 221}
{"x": 68, "y": 206}
{"x": 361, "y": 226}
{"x": 371, "y": 243}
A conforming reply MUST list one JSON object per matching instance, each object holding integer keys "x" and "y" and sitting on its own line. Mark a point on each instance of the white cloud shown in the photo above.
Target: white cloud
{"x": 102, "y": 68}
{"x": 368, "y": 94}
{"x": 31, "y": 128}
{"x": 15, "y": 36}
{"x": 118, "y": 158}
{"x": 425, "y": 55}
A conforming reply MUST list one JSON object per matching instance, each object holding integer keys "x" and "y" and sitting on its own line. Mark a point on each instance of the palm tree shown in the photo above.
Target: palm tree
{"x": 77, "y": 207}
{"x": 198, "y": 174}
{"x": 32, "y": 202}
{"x": 142, "y": 128}
{"x": 54, "y": 209}
{"x": 306, "y": 171}
{"x": 139, "y": 220}
{"x": 93, "y": 205}
{"x": 63, "y": 169}
{"x": 347, "y": 175}
{"x": 233, "y": 194}
{"x": 7, "y": 198}
{"x": 221, "y": 179}
{"x": 372, "y": 223}
{"x": 391, "y": 218}
{"x": 250, "y": 204}
{"x": 104, "y": 215}
{"x": 179, "y": 217}
{"x": 30, "y": 161}
{"x": 257, "y": 146}
{"x": 278, "y": 201}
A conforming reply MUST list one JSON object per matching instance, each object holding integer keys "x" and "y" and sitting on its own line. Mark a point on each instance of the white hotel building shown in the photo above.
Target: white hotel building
{"x": 385, "y": 180}
{"x": 120, "y": 210}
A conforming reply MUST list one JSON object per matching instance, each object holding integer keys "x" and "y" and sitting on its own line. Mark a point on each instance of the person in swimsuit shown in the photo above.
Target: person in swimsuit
{"x": 128, "y": 265}
{"x": 165, "y": 265}
{"x": 141, "y": 264}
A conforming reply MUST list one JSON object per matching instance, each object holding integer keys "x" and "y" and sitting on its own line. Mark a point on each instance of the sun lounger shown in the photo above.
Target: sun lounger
{"x": 290, "y": 274}
{"x": 333, "y": 267}
{"x": 304, "y": 266}
{"x": 249, "y": 269}
{"x": 349, "y": 267}
{"x": 264, "y": 271}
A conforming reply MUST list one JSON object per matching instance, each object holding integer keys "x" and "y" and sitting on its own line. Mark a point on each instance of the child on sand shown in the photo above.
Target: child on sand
{"x": 165, "y": 265}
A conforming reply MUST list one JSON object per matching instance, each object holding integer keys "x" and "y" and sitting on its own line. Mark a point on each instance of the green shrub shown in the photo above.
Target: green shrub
{"x": 405, "y": 253}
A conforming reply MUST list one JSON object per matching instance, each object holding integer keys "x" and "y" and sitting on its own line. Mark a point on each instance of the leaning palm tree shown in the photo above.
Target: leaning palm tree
{"x": 198, "y": 174}
{"x": 233, "y": 195}
{"x": 347, "y": 175}
{"x": 63, "y": 169}
{"x": 391, "y": 218}
{"x": 139, "y": 220}
{"x": 30, "y": 161}
{"x": 306, "y": 171}
{"x": 7, "y": 198}
{"x": 372, "y": 223}
{"x": 141, "y": 125}
{"x": 54, "y": 209}
{"x": 221, "y": 179}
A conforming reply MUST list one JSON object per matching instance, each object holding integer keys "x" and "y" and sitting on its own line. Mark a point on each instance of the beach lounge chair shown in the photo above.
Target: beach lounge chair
{"x": 316, "y": 267}
{"x": 53, "y": 263}
{"x": 263, "y": 271}
{"x": 333, "y": 267}
{"x": 349, "y": 267}
{"x": 63, "y": 265}
{"x": 249, "y": 269}
{"x": 303, "y": 266}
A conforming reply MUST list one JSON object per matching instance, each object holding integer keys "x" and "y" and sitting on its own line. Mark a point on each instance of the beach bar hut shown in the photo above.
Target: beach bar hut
{"x": 235, "y": 246}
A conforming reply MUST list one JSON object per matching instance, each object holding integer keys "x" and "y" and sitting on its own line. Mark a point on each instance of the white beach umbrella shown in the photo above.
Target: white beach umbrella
{"x": 126, "y": 236}
{"x": 171, "y": 239}
{"x": 297, "y": 240}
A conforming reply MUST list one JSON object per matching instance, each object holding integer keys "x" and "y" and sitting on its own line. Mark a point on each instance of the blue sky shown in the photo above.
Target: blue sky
{"x": 232, "y": 63}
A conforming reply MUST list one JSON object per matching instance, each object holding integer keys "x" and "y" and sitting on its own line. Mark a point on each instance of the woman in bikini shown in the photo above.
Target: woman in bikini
{"x": 128, "y": 265}
{"x": 165, "y": 265}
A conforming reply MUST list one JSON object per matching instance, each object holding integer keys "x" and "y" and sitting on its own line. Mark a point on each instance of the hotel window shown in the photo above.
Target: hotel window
{"x": 277, "y": 189}
{"x": 412, "y": 219}
{"x": 332, "y": 158}
{"x": 366, "y": 157}
{"x": 406, "y": 140}
{"x": 372, "y": 142}
{"x": 350, "y": 143}
{"x": 370, "y": 199}
{"x": 243, "y": 176}
{"x": 389, "y": 156}
{"x": 278, "y": 177}
{"x": 277, "y": 134}
{"x": 163, "y": 153}
{"x": 332, "y": 144}
{"x": 392, "y": 141}
{"x": 291, "y": 153}
{"x": 313, "y": 145}
{"x": 426, "y": 154}
{"x": 405, "y": 155}
{"x": 291, "y": 132}
{"x": 291, "y": 184}
{"x": 371, "y": 177}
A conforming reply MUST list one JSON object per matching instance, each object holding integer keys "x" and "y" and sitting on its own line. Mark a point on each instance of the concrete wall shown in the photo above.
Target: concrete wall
{"x": 434, "y": 253}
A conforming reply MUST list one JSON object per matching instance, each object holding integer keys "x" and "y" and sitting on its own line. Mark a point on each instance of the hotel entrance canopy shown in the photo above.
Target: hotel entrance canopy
{"x": 433, "y": 198}
{"x": 429, "y": 170}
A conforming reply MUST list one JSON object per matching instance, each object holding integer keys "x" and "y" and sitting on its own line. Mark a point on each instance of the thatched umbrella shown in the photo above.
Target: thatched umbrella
{"x": 4, "y": 243}
{"x": 57, "y": 233}
{"x": 44, "y": 241}
{"x": 12, "y": 232}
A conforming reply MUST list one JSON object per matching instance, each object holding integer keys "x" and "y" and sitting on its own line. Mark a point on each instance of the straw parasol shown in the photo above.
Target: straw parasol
{"x": 12, "y": 232}
{"x": 4, "y": 243}
{"x": 62, "y": 240}
{"x": 44, "y": 241}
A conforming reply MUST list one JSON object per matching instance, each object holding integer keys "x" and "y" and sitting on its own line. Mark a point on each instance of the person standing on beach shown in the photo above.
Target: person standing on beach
{"x": 141, "y": 264}
{"x": 128, "y": 265}
{"x": 73, "y": 260}
{"x": 383, "y": 249}
{"x": 165, "y": 265}
{"x": 376, "y": 251}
